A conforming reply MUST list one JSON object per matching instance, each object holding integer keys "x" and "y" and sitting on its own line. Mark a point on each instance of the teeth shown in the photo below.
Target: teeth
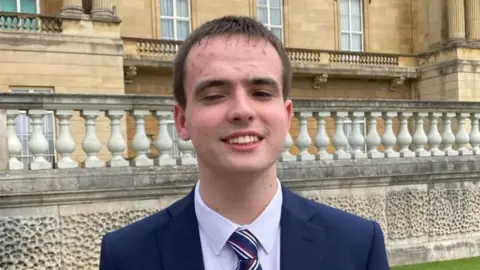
{"x": 243, "y": 139}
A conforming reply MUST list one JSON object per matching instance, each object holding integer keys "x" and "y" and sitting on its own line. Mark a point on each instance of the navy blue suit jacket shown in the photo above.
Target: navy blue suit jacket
{"x": 313, "y": 236}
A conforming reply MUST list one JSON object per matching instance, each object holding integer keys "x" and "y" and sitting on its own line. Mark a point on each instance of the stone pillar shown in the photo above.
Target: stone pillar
{"x": 3, "y": 141}
{"x": 102, "y": 9}
{"x": 72, "y": 8}
{"x": 472, "y": 14}
{"x": 456, "y": 20}
{"x": 435, "y": 22}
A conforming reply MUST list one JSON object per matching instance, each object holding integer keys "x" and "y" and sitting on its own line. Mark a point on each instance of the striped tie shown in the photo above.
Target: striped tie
{"x": 245, "y": 245}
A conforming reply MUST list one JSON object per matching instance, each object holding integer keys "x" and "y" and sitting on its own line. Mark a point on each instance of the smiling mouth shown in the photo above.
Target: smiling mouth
{"x": 247, "y": 139}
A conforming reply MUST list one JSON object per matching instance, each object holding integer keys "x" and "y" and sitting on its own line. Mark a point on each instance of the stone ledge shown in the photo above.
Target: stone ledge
{"x": 100, "y": 184}
{"x": 434, "y": 251}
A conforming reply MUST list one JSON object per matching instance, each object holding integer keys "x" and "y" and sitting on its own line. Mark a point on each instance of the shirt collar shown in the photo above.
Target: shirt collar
{"x": 217, "y": 229}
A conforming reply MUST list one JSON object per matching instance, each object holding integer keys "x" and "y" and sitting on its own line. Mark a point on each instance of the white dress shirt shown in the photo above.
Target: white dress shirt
{"x": 216, "y": 229}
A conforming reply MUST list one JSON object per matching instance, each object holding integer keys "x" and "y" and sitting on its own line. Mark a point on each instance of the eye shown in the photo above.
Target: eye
{"x": 212, "y": 97}
{"x": 262, "y": 94}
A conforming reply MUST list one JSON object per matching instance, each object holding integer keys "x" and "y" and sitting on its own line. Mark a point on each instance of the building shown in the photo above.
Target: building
{"x": 346, "y": 49}
{"x": 92, "y": 84}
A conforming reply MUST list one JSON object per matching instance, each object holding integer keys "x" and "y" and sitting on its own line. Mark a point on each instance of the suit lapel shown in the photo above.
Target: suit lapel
{"x": 302, "y": 243}
{"x": 179, "y": 239}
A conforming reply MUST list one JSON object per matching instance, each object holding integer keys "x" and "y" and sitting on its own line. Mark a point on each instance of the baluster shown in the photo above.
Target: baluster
{"x": 14, "y": 144}
{"x": 340, "y": 141}
{"x": 448, "y": 138}
{"x": 434, "y": 137}
{"x": 140, "y": 142}
{"x": 475, "y": 133}
{"x": 163, "y": 143}
{"x": 91, "y": 145}
{"x": 286, "y": 155}
{"x": 321, "y": 139}
{"x": 116, "y": 143}
{"x": 404, "y": 139}
{"x": 65, "y": 145}
{"x": 462, "y": 138}
{"x": 420, "y": 139}
{"x": 356, "y": 139}
{"x": 303, "y": 139}
{"x": 388, "y": 138}
{"x": 373, "y": 139}
{"x": 38, "y": 144}
{"x": 187, "y": 149}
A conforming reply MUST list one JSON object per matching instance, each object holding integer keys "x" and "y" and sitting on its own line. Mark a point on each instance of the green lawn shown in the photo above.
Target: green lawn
{"x": 463, "y": 264}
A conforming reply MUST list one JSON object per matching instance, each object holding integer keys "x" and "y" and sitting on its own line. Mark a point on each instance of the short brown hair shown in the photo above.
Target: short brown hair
{"x": 227, "y": 25}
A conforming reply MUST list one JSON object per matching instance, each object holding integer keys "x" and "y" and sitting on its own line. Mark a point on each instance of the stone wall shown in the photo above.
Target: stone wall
{"x": 427, "y": 207}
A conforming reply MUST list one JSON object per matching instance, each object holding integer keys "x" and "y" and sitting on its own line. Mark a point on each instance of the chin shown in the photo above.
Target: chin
{"x": 248, "y": 167}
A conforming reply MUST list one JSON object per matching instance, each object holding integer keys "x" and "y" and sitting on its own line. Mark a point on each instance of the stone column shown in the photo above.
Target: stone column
{"x": 3, "y": 141}
{"x": 472, "y": 14}
{"x": 72, "y": 8}
{"x": 456, "y": 20}
{"x": 102, "y": 9}
{"x": 435, "y": 22}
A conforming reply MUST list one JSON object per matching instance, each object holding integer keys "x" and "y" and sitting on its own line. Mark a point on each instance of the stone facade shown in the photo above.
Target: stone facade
{"x": 433, "y": 44}
{"x": 427, "y": 207}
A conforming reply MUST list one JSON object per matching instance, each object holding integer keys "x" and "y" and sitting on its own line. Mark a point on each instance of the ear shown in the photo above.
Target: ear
{"x": 289, "y": 113}
{"x": 180, "y": 122}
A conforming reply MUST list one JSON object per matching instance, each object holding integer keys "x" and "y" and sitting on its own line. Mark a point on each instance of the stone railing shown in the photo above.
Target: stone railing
{"x": 164, "y": 47}
{"x": 303, "y": 60}
{"x": 364, "y": 58}
{"x": 341, "y": 57}
{"x": 23, "y": 22}
{"x": 411, "y": 166}
{"x": 322, "y": 130}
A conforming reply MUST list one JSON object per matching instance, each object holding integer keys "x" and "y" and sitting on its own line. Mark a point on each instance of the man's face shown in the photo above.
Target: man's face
{"x": 235, "y": 115}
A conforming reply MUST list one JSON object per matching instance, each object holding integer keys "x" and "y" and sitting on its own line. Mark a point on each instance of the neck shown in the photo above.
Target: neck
{"x": 240, "y": 198}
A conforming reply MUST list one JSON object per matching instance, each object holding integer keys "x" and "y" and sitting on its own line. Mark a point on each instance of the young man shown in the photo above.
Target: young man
{"x": 231, "y": 81}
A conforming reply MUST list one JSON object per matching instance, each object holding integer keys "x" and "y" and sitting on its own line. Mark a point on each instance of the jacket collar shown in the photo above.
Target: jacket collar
{"x": 301, "y": 246}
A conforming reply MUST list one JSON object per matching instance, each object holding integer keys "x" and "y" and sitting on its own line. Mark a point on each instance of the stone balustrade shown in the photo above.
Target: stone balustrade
{"x": 22, "y": 22}
{"x": 156, "y": 52}
{"x": 322, "y": 130}
{"x": 364, "y": 58}
{"x": 412, "y": 166}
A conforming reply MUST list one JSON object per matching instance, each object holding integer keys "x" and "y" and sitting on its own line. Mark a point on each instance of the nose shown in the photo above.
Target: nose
{"x": 241, "y": 108}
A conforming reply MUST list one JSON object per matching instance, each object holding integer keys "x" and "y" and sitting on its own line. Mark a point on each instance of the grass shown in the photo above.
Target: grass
{"x": 462, "y": 264}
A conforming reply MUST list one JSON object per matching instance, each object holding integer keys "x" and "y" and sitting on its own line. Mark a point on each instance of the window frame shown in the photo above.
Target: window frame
{"x": 37, "y": 5}
{"x": 351, "y": 32}
{"x": 175, "y": 18}
{"x": 268, "y": 24}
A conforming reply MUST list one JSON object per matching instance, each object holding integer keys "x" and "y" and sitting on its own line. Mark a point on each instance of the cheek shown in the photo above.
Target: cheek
{"x": 201, "y": 125}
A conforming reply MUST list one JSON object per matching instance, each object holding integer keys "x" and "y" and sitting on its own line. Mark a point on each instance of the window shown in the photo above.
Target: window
{"x": 23, "y": 6}
{"x": 269, "y": 12}
{"x": 24, "y": 129}
{"x": 175, "y": 19}
{"x": 351, "y": 25}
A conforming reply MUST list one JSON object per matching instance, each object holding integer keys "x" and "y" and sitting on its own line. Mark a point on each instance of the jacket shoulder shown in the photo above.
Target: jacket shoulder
{"x": 136, "y": 244}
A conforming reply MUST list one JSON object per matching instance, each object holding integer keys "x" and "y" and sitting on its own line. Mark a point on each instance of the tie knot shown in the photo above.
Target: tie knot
{"x": 244, "y": 243}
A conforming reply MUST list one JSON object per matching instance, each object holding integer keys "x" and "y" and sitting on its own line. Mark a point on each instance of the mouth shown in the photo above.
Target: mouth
{"x": 243, "y": 139}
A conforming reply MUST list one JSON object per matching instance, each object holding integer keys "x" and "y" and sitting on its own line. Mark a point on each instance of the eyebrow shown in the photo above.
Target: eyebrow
{"x": 209, "y": 83}
{"x": 264, "y": 81}
{"x": 256, "y": 81}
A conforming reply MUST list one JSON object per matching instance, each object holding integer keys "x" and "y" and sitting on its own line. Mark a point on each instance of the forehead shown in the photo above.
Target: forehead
{"x": 224, "y": 52}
